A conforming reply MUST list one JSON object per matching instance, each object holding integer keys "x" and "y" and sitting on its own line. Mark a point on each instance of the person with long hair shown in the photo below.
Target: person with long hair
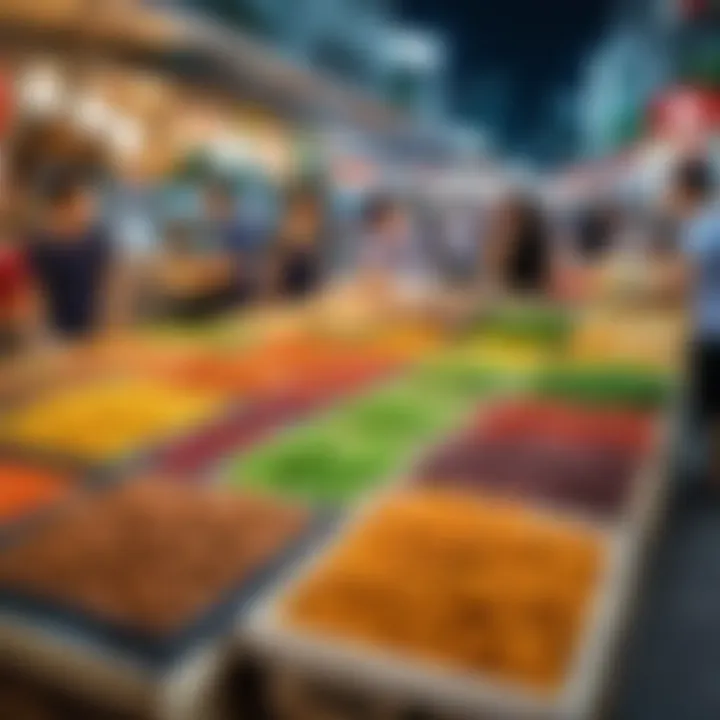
{"x": 519, "y": 257}
{"x": 297, "y": 262}
{"x": 230, "y": 234}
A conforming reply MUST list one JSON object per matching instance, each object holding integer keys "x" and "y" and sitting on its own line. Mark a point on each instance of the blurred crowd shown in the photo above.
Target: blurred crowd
{"x": 86, "y": 248}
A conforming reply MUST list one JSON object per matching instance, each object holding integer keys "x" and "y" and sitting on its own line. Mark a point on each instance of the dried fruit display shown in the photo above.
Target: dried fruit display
{"x": 149, "y": 554}
{"x": 477, "y": 584}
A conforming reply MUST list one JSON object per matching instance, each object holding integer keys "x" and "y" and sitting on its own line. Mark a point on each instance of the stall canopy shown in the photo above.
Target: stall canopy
{"x": 201, "y": 50}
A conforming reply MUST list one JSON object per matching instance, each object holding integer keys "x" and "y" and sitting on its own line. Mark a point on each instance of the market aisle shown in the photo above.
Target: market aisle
{"x": 672, "y": 663}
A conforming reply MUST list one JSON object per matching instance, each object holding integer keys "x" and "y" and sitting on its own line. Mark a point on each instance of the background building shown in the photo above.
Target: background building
{"x": 414, "y": 74}
{"x": 356, "y": 42}
{"x": 627, "y": 69}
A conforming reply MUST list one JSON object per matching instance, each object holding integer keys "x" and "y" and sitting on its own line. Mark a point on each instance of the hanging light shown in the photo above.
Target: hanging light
{"x": 41, "y": 90}
{"x": 91, "y": 114}
{"x": 127, "y": 136}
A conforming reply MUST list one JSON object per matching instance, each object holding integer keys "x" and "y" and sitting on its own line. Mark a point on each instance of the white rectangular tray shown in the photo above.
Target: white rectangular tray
{"x": 184, "y": 692}
{"x": 413, "y": 681}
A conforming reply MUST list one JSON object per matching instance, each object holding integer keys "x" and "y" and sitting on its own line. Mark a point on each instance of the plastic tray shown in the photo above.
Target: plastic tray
{"x": 153, "y": 653}
{"x": 140, "y": 457}
{"x": 237, "y": 426}
{"x": 415, "y": 682}
{"x": 82, "y": 478}
{"x": 398, "y": 476}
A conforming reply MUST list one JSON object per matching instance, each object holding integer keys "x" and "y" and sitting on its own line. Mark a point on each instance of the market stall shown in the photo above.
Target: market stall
{"x": 238, "y": 488}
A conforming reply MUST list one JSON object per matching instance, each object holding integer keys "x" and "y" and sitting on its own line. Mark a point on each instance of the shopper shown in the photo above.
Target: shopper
{"x": 459, "y": 241}
{"x": 692, "y": 199}
{"x": 598, "y": 230}
{"x": 296, "y": 263}
{"x": 519, "y": 250}
{"x": 233, "y": 235}
{"x": 189, "y": 284}
{"x": 389, "y": 251}
{"x": 132, "y": 209}
{"x": 78, "y": 284}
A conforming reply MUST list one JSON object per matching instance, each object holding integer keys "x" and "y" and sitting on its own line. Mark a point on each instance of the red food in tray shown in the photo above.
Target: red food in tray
{"x": 619, "y": 429}
{"x": 25, "y": 489}
{"x": 593, "y": 479}
{"x": 262, "y": 417}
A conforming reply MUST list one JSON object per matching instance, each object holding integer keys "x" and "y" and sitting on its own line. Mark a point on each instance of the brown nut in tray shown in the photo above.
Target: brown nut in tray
{"x": 149, "y": 554}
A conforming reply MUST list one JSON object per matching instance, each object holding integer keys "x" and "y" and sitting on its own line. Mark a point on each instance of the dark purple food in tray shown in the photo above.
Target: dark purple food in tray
{"x": 597, "y": 480}
{"x": 257, "y": 420}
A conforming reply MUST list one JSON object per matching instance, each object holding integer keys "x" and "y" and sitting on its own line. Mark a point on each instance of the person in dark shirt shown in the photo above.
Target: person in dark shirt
{"x": 228, "y": 233}
{"x": 296, "y": 262}
{"x": 71, "y": 261}
{"x": 598, "y": 227}
{"x": 519, "y": 249}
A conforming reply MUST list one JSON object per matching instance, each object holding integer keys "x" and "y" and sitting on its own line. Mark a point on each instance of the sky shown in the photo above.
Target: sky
{"x": 515, "y": 64}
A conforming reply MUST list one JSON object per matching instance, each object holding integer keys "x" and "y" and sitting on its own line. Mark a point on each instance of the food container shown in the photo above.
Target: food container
{"x": 32, "y": 491}
{"x": 617, "y": 385}
{"x": 409, "y": 683}
{"x": 586, "y": 460}
{"x": 542, "y": 325}
{"x": 354, "y": 449}
{"x": 148, "y": 570}
{"x": 257, "y": 421}
{"x": 108, "y": 423}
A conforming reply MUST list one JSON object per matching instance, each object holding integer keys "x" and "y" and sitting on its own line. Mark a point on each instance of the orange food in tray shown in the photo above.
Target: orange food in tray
{"x": 24, "y": 490}
{"x": 280, "y": 366}
{"x": 479, "y": 585}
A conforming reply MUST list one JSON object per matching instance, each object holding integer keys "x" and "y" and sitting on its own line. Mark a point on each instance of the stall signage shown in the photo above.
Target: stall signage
{"x": 685, "y": 114}
{"x": 699, "y": 9}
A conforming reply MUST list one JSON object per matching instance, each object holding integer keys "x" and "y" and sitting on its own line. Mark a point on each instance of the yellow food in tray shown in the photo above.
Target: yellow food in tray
{"x": 106, "y": 419}
{"x": 508, "y": 355}
{"x": 654, "y": 341}
{"x": 480, "y": 585}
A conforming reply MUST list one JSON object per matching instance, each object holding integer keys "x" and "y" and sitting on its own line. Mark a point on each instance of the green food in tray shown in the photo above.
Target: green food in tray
{"x": 546, "y": 325}
{"x": 318, "y": 468}
{"x": 218, "y": 332}
{"x": 393, "y": 425}
{"x": 354, "y": 448}
{"x": 456, "y": 377}
{"x": 606, "y": 385}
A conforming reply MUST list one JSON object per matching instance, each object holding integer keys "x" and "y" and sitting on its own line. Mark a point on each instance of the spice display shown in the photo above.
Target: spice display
{"x": 149, "y": 554}
{"x": 480, "y": 585}
{"x": 24, "y": 489}
{"x": 108, "y": 419}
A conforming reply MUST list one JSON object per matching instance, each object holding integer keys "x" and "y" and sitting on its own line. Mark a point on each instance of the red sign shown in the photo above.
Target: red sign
{"x": 699, "y": 9}
{"x": 686, "y": 115}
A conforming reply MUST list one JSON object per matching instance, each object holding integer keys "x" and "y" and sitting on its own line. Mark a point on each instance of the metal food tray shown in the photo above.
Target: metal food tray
{"x": 623, "y": 518}
{"x": 315, "y": 410}
{"x": 128, "y": 667}
{"x": 397, "y": 477}
{"x": 412, "y": 681}
{"x": 82, "y": 478}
